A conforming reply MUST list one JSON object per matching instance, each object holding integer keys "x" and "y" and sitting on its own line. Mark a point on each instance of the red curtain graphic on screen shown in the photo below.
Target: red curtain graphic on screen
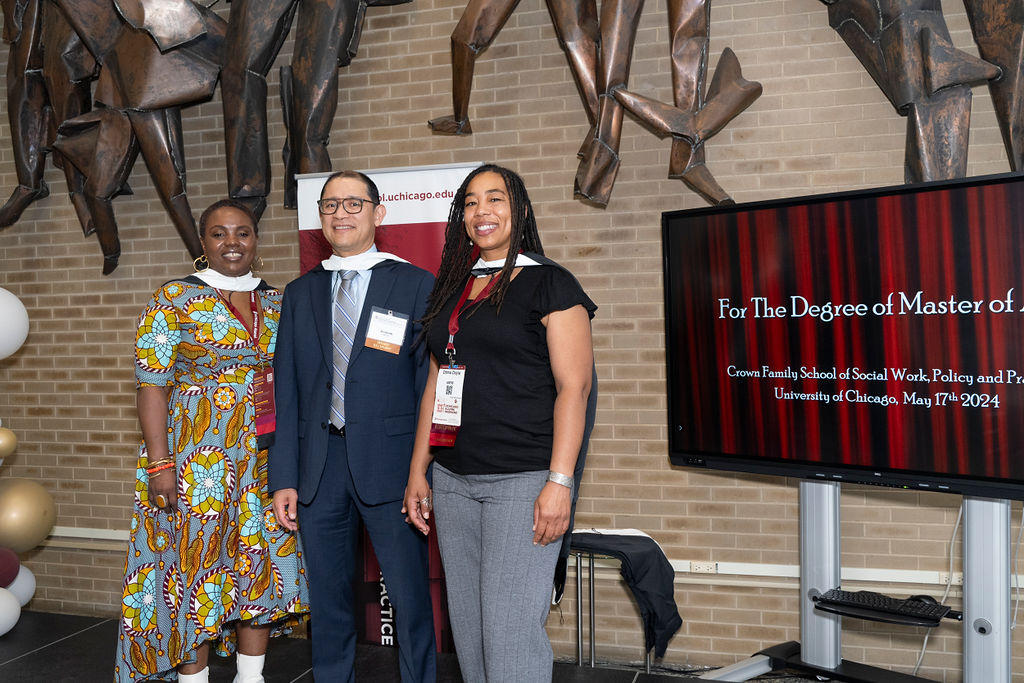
{"x": 879, "y": 331}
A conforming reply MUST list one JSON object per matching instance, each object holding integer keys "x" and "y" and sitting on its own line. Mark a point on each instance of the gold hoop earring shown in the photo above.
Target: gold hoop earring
{"x": 200, "y": 263}
{"x": 258, "y": 265}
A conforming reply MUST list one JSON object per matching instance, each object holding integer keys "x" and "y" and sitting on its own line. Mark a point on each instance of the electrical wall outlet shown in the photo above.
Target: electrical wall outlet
{"x": 958, "y": 578}
{"x": 703, "y": 567}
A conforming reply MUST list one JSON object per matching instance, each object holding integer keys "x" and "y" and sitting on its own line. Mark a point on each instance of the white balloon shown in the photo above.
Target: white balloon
{"x": 14, "y": 330}
{"x": 10, "y": 611}
{"x": 24, "y": 585}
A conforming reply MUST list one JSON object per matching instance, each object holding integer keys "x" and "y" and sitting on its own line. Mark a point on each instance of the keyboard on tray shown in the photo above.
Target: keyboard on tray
{"x": 870, "y": 605}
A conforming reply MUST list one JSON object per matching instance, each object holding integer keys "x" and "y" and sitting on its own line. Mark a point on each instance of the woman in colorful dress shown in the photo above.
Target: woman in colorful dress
{"x": 206, "y": 556}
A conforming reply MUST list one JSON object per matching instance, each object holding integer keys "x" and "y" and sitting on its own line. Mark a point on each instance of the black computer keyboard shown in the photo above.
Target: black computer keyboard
{"x": 864, "y": 603}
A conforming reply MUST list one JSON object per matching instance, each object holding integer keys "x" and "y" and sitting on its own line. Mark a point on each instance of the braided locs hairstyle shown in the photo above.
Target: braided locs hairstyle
{"x": 459, "y": 253}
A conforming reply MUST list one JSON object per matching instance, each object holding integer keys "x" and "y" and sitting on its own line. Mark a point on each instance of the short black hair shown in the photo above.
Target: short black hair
{"x": 371, "y": 187}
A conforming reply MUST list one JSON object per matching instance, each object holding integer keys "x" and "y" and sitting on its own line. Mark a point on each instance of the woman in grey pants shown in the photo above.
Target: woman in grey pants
{"x": 502, "y": 420}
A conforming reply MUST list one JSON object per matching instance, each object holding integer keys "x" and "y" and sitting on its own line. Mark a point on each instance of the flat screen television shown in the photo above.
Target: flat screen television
{"x": 871, "y": 337}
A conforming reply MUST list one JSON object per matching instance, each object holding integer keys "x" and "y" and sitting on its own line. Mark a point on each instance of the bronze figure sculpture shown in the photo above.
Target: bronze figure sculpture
{"x": 998, "y": 28}
{"x": 599, "y": 54}
{"x": 575, "y": 23}
{"x": 148, "y": 57}
{"x": 42, "y": 88}
{"x": 326, "y": 38}
{"x": 696, "y": 116}
{"x": 599, "y": 157}
{"x": 140, "y": 88}
{"x": 906, "y": 47}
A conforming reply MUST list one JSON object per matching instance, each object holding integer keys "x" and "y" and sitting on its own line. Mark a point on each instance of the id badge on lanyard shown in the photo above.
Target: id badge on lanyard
{"x": 447, "y": 416}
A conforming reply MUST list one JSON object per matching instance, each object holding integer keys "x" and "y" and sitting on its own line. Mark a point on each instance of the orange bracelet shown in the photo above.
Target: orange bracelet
{"x": 159, "y": 468}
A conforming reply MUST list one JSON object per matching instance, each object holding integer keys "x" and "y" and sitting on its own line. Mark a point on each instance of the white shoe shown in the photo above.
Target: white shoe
{"x": 201, "y": 677}
{"x": 250, "y": 668}
{"x": 239, "y": 679}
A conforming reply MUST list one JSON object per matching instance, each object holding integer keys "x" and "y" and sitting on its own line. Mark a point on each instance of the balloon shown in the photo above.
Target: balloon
{"x": 14, "y": 331}
{"x": 9, "y": 564}
{"x": 8, "y": 441}
{"x": 27, "y": 514}
{"x": 10, "y": 611}
{"x": 24, "y": 586}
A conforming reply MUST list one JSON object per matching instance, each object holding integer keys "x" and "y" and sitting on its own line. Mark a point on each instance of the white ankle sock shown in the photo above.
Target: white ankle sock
{"x": 250, "y": 668}
{"x": 201, "y": 677}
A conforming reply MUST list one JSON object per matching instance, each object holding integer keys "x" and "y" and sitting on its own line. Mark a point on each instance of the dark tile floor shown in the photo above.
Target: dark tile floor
{"x": 61, "y": 648}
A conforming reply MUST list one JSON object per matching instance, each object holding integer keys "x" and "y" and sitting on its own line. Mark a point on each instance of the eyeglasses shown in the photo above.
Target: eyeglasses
{"x": 351, "y": 205}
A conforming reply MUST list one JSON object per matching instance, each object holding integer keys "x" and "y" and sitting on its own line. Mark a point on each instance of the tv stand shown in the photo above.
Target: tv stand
{"x": 986, "y": 599}
{"x": 787, "y": 656}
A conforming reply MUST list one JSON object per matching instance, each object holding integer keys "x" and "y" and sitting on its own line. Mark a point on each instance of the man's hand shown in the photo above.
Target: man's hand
{"x": 286, "y": 503}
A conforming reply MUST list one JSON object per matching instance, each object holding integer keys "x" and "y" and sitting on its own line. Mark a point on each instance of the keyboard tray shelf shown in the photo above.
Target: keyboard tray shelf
{"x": 875, "y": 615}
{"x": 878, "y": 607}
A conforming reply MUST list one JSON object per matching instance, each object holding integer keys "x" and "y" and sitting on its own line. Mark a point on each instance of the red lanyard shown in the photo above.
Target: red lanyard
{"x": 254, "y": 305}
{"x": 453, "y": 319}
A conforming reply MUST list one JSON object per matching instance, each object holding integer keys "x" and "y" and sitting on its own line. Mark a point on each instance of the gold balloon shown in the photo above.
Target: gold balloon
{"x": 8, "y": 441}
{"x": 27, "y": 514}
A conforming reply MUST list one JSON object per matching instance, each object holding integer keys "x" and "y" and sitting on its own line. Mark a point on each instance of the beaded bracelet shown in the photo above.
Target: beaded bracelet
{"x": 159, "y": 468}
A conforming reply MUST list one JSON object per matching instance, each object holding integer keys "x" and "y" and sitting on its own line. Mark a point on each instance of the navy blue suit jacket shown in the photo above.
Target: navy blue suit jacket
{"x": 382, "y": 390}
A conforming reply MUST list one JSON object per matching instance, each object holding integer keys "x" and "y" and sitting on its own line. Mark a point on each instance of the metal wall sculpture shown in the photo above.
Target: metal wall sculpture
{"x": 326, "y": 38}
{"x": 998, "y": 28}
{"x": 43, "y": 88}
{"x": 906, "y": 47}
{"x": 695, "y": 116}
{"x": 599, "y": 157}
{"x": 599, "y": 54}
{"x": 149, "y": 70}
{"x": 149, "y": 57}
{"x": 576, "y": 25}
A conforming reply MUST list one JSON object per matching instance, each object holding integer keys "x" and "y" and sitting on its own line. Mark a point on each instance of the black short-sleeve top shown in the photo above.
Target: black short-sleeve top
{"x": 509, "y": 390}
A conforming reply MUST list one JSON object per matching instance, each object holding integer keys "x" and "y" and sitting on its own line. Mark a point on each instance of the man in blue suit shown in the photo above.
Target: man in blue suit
{"x": 348, "y": 384}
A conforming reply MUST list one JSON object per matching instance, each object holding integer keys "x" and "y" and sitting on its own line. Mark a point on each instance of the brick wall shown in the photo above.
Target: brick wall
{"x": 821, "y": 125}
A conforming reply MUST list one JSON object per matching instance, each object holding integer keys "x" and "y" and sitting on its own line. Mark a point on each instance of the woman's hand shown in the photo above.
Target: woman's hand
{"x": 418, "y": 503}
{"x": 162, "y": 493}
{"x": 551, "y": 513}
{"x": 151, "y": 402}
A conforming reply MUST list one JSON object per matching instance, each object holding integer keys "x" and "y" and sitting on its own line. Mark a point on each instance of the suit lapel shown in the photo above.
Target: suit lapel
{"x": 382, "y": 279}
{"x": 320, "y": 302}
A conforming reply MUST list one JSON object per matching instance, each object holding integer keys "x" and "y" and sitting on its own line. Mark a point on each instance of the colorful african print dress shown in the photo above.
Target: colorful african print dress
{"x": 220, "y": 556}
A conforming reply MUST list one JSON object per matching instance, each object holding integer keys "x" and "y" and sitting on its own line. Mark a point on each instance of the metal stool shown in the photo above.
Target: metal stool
{"x": 579, "y": 607}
